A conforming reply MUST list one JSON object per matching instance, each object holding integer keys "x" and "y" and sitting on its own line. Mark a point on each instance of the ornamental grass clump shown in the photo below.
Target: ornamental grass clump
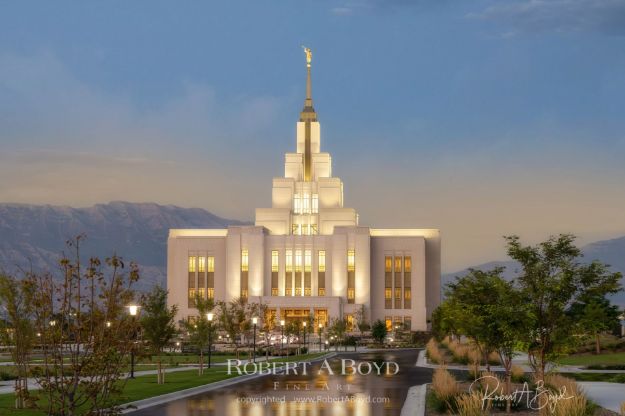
{"x": 493, "y": 358}
{"x": 433, "y": 352}
{"x": 445, "y": 386}
{"x": 471, "y": 405}
{"x": 570, "y": 402}
{"x": 623, "y": 409}
{"x": 517, "y": 373}
{"x": 491, "y": 383}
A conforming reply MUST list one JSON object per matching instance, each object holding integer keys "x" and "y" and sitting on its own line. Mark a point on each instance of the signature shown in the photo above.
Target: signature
{"x": 535, "y": 399}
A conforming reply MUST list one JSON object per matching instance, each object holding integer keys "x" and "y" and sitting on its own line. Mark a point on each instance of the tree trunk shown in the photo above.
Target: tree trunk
{"x": 160, "y": 377}
{"x": 201, "y": 368}
{"x": 597, "y": 344}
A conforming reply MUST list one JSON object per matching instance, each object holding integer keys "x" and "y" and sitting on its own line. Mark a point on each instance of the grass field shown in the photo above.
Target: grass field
{"x": 145, "y": 386}
{"x": 616, "y": 358}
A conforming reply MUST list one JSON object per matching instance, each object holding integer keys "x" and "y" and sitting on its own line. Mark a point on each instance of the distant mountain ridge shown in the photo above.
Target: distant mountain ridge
{"x": 36, "y": 234}
{"x": 611, "y": 252}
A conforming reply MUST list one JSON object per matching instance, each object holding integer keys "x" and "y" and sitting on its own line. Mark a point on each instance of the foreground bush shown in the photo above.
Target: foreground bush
{"x": 445, "y": 387}
{"x": 433, "y": 352}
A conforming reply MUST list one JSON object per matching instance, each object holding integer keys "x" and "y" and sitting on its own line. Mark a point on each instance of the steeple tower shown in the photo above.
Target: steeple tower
{"x": 307, "y": 116}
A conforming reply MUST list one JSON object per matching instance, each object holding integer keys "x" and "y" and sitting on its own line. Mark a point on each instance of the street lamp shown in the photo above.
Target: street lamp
{"x": 254, "y": 321}
{"x": 108, "y": 324}
{"x": 209, "y": 317}
{"x": 320, "y": 335}
{"x": 281, "y": 335}
{"x": 132, "y": 310}
{"x": 305, "y": 345}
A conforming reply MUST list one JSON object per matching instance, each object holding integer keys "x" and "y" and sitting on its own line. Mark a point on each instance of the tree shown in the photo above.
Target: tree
{"x": 200, "y": 330}
{"x": 337, "y": 328}
{"x": 361, "y": 320}
{"x": 447, "y": 319}
{"x": 378, "y": 331}
{"x": 83, "y": 326}
{"x": 233, "y": 320}
{"x": 551, "y": 280}
{"x": 594, "y": 316}
{"x": 18, "y": 330}
{"x": 157, "y": 323}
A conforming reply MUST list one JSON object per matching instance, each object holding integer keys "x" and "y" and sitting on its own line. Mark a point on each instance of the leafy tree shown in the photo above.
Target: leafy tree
{"x": 594, "y": 316}
{"x": 337, "y": 328}
{"x": 157, "y": 322}
{"x": 233, "y": 317}
{"x": 447, "y": 319}
{"x": 361, "y": 320}
{"x": 200, "y": 330}
{"x": 551, "y": 280}
{"x": 378, "y": 331}
{"x": 82, "y": 326}
{"x": 18, "y": 330}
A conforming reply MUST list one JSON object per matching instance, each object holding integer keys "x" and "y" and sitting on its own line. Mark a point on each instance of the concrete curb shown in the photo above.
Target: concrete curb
{"x": 181, "y": 394}
{"x": 415, "y": 401}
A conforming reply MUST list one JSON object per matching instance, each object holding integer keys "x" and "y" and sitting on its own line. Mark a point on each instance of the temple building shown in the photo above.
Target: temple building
{"x": 307, "y": 255}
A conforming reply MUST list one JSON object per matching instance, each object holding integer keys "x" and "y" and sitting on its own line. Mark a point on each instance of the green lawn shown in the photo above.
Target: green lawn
{"x": 609, "y": 377}
{"x": 616, "y": 358}
{"x": 145, "y": 386}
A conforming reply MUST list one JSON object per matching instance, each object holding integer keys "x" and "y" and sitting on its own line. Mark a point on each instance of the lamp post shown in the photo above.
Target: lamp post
{"x": 133, "y": 310}
{"x": 209, "y": 317}
{"x": 281, "y": 335}
{"x": 305, "y": 345}
{"x": 254, "y": 321}
{"x": 320, "y": 335}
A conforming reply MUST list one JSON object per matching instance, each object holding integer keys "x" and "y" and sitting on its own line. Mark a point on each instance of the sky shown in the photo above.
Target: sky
{"x": 482, "y": 118}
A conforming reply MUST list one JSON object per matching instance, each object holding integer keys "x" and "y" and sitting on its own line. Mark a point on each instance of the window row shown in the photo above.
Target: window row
{"x": 397, "y": 282}
{"x": 201, "y": 278}
{"x": 398, "y": 323}
{"x": 306, "y": 203}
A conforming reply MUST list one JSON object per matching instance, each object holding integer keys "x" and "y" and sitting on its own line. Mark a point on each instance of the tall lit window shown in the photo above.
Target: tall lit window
{"x": 288, "y": 276}
{"x": 388, "y": 282}
{"x": 315, "y": 203}
{"x": 298, "y": 272}
{"x": 349, "y": 318}
{"x": 351, "y": 276}
{"x": 306, "y": 204}
{"x": 297, "y": 204}
{"x": 192, "y": 285}
{"x": 313, "y": 229}
{"x": 407, "y": 282}
{"x": 307, "y": 272}
{"x": 398, "y": 282}
{"x": 289, "y": 260}
{"x": 245, "y": 260}
{"x": 351, "y": 260}
{"x": 274, "y": 272}
{"x": 201, "y": 277}
{"x": 210, "y": 277}
{"x": 321, "y": 273}
{"x": 296, "y": 229}
{"x": 389, "y": 323}
{"x": 244, "y": 273}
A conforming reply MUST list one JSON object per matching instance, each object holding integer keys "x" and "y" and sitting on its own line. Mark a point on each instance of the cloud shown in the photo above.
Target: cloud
{"x": 563, "y": 16}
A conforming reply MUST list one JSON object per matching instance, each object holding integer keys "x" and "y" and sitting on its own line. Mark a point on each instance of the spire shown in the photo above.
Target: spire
{"x": 308, "y": 105}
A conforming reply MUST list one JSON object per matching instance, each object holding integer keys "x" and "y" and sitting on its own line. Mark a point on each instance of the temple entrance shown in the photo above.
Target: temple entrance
{"x": 296, "y": 315}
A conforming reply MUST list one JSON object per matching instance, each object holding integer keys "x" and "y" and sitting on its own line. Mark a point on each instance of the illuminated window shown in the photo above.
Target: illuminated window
{"x": 306, "y": 204}
{"x": 192, "y": 262}
{"x": 388, "y": 264}
{"x": 351, "y": 260}
{"x": 274, "y": 291}
{"x": 289, "y": 261}
{"x": 397, "y": 294}
{"x": 201, "y": 264}
{"x": 407, "y": 294}
{"x": 307, "y": 261}
{"x": 296, "y": 229}
{"x": 349, "y": 318}
{"x": 350, "y": 294}
{"x": 313, "y": 229}
{"x": 322, "y": 291}
{"x": 244, "y": 293}
{"x": 322, "y": 260}
{"x": 298, "y": 261}
{"x": 397, "y": 264}
{"x": 211, "y": 293}
{"x": 297, "y": 204}
{"x": 274, "y": 261}
{"x": 387, "y": 294}
{"x": 245, "y": 260}
{"x": 315, "y": 204}
{"x": 192, "y": 282}
{"x": 407, "y": 264}
{"x": 211, "y": 264}
{"x": 389, "y": 323}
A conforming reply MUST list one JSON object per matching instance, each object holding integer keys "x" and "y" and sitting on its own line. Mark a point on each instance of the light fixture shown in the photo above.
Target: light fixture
{"x": 254, "y": 320}
{"x": 282, "y": 322}
{"x": 133, "y": 309}
{"x": 210, "y": 316}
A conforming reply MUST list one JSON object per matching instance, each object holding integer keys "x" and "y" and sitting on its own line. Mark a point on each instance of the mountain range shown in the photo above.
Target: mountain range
{"x": 34, "y": 236}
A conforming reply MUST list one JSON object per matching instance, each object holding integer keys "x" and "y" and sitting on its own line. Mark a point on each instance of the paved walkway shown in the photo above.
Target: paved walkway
{"x": 607, "y": 395}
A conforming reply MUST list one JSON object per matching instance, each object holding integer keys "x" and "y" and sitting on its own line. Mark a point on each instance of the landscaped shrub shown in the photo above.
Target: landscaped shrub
{"x": 623, "y": 409}
{"x": 470, "y": 405}
{"x": 576, "y": 405}
{"x": 491, "y": 382}
{"x": 433, "y": 352}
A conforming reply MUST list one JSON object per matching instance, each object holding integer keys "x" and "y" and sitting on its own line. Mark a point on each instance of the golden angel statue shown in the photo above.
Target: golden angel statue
{"x": 308, "y": 53}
